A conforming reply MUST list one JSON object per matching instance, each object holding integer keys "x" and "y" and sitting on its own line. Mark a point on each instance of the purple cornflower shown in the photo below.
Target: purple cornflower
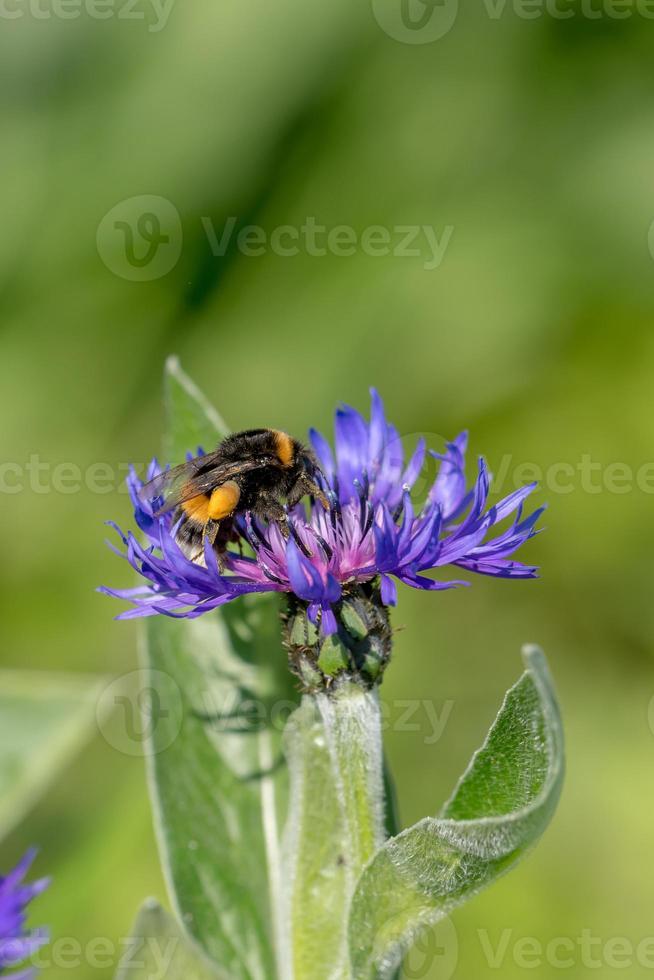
{"x": 16, "y": 944}
{"x": 370, "y": 530}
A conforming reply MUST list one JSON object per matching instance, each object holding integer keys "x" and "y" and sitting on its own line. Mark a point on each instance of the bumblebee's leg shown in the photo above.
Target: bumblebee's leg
{"x": 297, "y": 491}
{"x": 303, "y": 486}
{"x": 210, "y": 533}
{"x": 314, "y": 490}
{"x": 270, "y": 508}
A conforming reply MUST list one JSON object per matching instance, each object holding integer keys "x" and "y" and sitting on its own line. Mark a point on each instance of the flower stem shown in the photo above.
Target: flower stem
{"x": 335, "y": 824}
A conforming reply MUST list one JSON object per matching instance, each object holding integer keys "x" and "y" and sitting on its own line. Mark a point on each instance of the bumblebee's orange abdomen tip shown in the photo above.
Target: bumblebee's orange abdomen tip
{"x": 197, "y": 508}
{"x": 284, "y": 447}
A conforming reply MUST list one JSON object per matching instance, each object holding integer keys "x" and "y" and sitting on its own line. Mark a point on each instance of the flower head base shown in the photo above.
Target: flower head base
{"x": 358, "y": 650}
{"x": 369, "y": 537}
{"x": 16, "y": 944}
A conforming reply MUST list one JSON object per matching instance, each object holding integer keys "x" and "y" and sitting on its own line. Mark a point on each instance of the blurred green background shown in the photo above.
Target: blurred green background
{"x": 532, "y": 140}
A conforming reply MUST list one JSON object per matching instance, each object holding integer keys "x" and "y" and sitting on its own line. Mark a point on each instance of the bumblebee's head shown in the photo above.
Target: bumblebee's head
{"x": 305, "y": 461}
{"x": 309, "y": 473}
{"x": 301, "y": 465}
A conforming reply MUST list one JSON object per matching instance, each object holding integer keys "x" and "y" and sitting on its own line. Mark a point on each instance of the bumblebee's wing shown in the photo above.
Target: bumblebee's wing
{"x": 201, "y": 475}
{"x": 173, "y": 486}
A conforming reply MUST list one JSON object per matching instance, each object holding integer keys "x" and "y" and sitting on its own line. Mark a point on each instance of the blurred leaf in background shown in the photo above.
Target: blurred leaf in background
{"x": 44, "y": 720}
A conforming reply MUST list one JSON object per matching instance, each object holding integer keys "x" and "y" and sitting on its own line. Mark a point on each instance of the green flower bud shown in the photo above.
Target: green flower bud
{"x": 359, "y": 651}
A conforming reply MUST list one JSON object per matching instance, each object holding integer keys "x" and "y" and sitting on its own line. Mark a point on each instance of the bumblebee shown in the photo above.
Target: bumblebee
{"x": 255, "y": 470}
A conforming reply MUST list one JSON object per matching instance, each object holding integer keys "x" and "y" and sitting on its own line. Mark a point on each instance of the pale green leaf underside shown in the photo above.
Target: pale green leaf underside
{"x": 44, "y": 719}
{"x": 336, "y": 823}
{"x": 217, "y": 783}
{"x": 158, "y": 948}
{"x": 498, "y": 811}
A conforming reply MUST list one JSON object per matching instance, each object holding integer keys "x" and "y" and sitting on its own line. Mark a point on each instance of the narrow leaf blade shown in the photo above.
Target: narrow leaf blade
{"x": 191, "y": 419}
{"x": 217, "y": 777}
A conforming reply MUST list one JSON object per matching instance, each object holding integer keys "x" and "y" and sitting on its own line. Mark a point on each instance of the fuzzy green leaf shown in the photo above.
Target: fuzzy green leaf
{"x": 44, "y": 720}
{"x": 217, "y": 776}
{"x": 159, "y": 948}
{"x": 498, "y": 811}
